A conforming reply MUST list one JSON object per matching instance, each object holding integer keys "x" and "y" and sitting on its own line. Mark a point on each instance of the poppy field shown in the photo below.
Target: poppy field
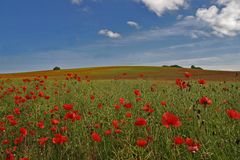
{"x": 78, "y": 118}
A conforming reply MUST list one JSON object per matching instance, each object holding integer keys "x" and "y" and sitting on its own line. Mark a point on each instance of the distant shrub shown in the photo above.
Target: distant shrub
{"x": 173, "y": 66}
{"x": 194, "y": 67}
{"x": 176, "y": 66}
{"x": 56, "y": 68}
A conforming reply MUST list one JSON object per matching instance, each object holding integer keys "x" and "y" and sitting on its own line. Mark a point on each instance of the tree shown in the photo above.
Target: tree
{"x": 56, "y": 68}
{"x": 194, "y": 67}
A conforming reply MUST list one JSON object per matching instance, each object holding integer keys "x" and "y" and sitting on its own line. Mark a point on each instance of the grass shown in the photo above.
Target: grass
{"x": 209, "y": 126}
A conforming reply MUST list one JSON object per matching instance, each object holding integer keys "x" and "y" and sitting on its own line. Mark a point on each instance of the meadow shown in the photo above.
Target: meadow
{"x": 76, "y": 117}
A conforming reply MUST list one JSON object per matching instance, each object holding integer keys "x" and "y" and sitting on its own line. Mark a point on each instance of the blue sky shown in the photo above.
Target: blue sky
{"x": 38, "y": 35}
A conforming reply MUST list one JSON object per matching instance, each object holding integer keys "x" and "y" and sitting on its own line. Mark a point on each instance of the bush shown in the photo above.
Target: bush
{"x": 194, "y": 67}
{"x": 56, "y": 68}
{"x": 173, "y": 66}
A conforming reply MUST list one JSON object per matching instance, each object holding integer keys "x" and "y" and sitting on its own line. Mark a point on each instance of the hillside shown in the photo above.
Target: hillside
{"x": 131, "y": 72}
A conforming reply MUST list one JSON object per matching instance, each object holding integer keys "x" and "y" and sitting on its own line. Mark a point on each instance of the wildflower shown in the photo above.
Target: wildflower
{"x": 187, "y": 74}
{"x": 205, "y": 101}
{"x": 107, "y": 132}
{"x": 170, "y": 119}
{"x": 141, "y": 142}
{"x": 163, "y": 103}
{"x": 42, "y": 141}
{"x": 40, "y": 124}
{"x": 137, "y": 92}
{"x": 55, "y": 121}
{"x": 59, "y": 139}
{"x": 140, "y": 122}
{"x": 233, "y": 114}
{"x": 96, "y": 137}
{"x": 115, "y": 123}
{"x": 23, "y": 131}
{"x": 67, "y": 106}
{"x": 201, "y": 81}
{"x": 128, "y": 114}
{"x": 128, "y": 105}
{"x": 121, "y": 100}
{"x": 178, "y": 140}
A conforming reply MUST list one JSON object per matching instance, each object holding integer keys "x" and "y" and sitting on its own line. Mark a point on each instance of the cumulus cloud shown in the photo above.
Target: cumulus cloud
{"x": 133, "y": 24}
{"x": 109, "y": 33}
{"x": 160, "y": 6}
{"x": 223, "y": 18}
{"x": 76, "y": 1}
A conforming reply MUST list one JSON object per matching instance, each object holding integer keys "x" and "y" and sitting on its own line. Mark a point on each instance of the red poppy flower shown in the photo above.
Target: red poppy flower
{"x": 24, "y": 88}
{"x": 121, "y": 100}
{"x": 128, "y": 114}
{"x": 13, "y": 122}
{"x": 189, "y": 141}
{"x": 181, "y": 84}
{"x": 17, "y": 111}
{"x": 40, "y": 124}
{"x": 92, "y": 97}
{"x": 67, "y": 106}
{"x": 138, "y": 99}
{"x": 147, "y": 108}
{"x": 118, "y": 131}
{"x": 54, "y": 109}
{"x": 187, "y": 74}
{"x": 178, "y": 140}
{"x": 10, "y": 156}
{"x": 205, "y": 101}
{"x": 47, "y": 97}
{"x": 59, "y": 139}
{"x": 41, "y": 94}
{"x": 201, "y": 81}
{"x": 10, "y": 117}
{"x": 55, "y": 121}
{"x": 137, "y": 92}
{"x": 18, "y": 140}
{"x": 100, "y": 105}
{"x": 117, "y": 107}
{"x": 107, "y": 132}
{"x": 115, "y": 123}
{"x": 74, "y": 116}
{"x": 96, "y": 137}
{"x": 128, "y": 105}
{"x": 170, "y": 119}
{"x": 42, "y": 141}
{"x": 140, "y": 122}
{"x": 5, "y": 141}
{"x": 53, "y": 129}
{"x": 141, "y": 142}
{"x": 233, "y": 114}
{"x": 163, "y": 103}
{"x": 23, "y": 131}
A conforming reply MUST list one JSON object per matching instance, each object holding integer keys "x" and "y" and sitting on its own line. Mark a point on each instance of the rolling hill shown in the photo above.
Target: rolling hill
{"x": 131, "y": 72}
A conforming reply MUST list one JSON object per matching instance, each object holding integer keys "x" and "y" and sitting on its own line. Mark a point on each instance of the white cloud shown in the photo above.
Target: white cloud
{"x": 109, "y": 33}
{"x": 76, "y": 1}
{"x": 133, "y": 24}
{"x": 160, "y": 6}
{"x": 223, "y": 18}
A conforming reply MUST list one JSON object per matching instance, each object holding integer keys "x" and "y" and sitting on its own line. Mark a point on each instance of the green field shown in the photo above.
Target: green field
{"x": 101, "y": 118}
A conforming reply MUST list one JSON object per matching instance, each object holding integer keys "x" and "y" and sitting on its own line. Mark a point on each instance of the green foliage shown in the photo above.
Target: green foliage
{"x": 173, "y": 66}
{"x": 56, "y": 68}
{"x": 194, "y": 67}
